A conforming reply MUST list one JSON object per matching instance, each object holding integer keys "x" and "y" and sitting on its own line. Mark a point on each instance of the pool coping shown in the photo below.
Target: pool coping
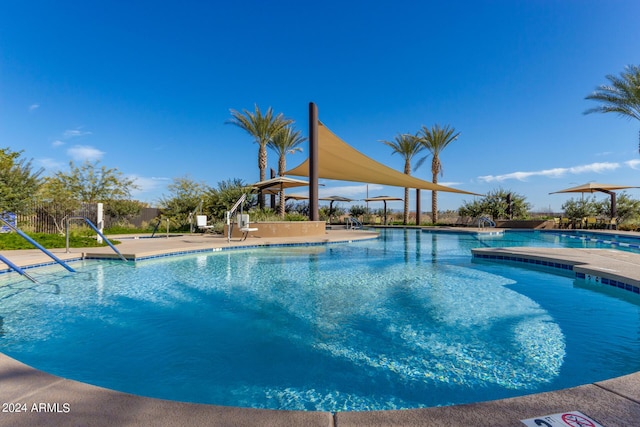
{"x": 612, "y": 402}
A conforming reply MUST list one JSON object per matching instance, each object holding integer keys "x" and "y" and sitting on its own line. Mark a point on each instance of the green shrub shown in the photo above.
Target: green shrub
{"x": 13, "y": 241}
{"x": 295, "y": 216}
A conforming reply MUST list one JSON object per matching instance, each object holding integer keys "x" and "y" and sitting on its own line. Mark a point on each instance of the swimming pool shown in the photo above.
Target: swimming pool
{"x": 407, "y": 320}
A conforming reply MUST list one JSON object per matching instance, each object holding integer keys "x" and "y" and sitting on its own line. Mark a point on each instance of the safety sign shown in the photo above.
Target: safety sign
{"x": 563, "y": 419}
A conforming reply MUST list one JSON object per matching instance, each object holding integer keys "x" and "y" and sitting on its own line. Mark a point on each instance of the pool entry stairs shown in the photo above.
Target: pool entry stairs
{"x": 21, "y": 271}
{"x": 102, "y": 236}
{"x": 37, "y": 245}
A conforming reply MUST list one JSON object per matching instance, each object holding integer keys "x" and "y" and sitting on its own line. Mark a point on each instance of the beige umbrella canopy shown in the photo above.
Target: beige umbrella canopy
{"x": 277, "y": 184}
{"x": 592, "y": 187}
{"x": 384, "y": 199}
{"x": 330, "y": 199}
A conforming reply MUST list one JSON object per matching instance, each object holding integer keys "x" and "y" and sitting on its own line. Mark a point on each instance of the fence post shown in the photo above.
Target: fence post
{"x": 99, "y": 220}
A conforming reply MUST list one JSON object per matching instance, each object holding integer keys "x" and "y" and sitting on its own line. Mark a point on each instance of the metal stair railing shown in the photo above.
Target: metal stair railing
{"x": 37, "y": 245}
{"x": 96, "y": 230}
{"x": 353, "y": 223}
{"x": 486, "y": 221}
{"x": 231, "y": 212}
{"x": 17, "y": 269}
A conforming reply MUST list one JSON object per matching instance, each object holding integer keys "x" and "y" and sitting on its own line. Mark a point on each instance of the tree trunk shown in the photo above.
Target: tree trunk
{"x": 407, "y": 170}
{"x": 434, "y": 201}
{"x": 262, "y": 164}
{"x": 435, "y": 169}
{"x": 405, "y": 219}
{"x": 282, "y": 166}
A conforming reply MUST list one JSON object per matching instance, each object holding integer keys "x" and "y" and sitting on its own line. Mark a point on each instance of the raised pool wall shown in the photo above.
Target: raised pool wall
{"x": 282, "y": 229}
{"x": 528, "y": 223}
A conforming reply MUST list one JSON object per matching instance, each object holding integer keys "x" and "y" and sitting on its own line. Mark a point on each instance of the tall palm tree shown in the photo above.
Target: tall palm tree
{"x": 407, "y": 146}
{"x": 262, "y": 128}
{"x": 435, "y": 140}
{"x": 622, "y": 96}
{"x": 284, "y": 142}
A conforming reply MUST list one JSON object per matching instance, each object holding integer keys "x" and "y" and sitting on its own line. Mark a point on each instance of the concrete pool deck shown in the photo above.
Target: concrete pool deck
{"x": 31, "y": 398}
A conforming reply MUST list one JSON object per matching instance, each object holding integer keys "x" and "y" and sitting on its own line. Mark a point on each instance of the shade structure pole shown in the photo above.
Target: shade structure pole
{"x": 418, "y": 208}
{"x": 273, "y": 196}
{"x": 314, "y": 214}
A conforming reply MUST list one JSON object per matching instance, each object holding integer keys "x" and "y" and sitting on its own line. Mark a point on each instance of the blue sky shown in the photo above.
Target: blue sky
{"x": 146, "y": 87}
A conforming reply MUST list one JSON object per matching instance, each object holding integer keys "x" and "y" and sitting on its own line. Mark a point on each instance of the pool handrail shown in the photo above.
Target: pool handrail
{"x": 37, "y": 245}
{"x": 485, "y": 220}
{"x": 229, "y": 215}
{"x": 353, "y": 223}
{"x": 17, "y": 269}
{"x": 94, "y": 229}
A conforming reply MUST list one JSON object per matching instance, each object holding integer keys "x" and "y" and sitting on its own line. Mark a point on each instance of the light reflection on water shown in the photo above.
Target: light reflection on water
{"x": 403, "y": 321}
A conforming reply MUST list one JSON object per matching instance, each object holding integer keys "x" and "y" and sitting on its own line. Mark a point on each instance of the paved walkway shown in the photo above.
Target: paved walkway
{"x": 32, "y": 398}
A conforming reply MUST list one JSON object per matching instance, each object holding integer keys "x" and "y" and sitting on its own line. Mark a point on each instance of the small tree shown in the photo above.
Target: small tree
{"x": 219, "y": 200}
{"x": 123, "y": 210}
{"x": 579, "y": 208}
{"x": 627, "y": 208}
{"x": 63, "y": 193}
{"x": 91, "y": 183}
{"x": 185, "y": 196}
{"x": 357, "y": 210}
{"x": 19, "y": 183}
{"x": 495, "y": 204}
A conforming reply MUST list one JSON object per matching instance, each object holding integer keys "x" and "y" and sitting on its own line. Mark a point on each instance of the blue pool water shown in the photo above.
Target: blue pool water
{"x": 404, "y": 321}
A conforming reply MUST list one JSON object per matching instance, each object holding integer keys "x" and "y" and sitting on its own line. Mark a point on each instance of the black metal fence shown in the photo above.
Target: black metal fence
{"x": 49, "y": 218}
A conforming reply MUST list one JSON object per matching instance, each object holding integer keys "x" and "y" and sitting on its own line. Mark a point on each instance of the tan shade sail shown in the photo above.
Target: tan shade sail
{"x": 338, "y": 160}
{"x": 383, "y": 199}
{"x": 592, "y": 187}
{"x": 277, "y": 184}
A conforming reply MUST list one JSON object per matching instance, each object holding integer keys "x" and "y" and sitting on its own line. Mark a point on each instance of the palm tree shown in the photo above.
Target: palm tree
{"x": 407, "y": 146}
{"x": 284, "y": 142}
{"x": 622, "y": 96}
{"x": 262, "y": 128}
{"x": 435, "y": 140}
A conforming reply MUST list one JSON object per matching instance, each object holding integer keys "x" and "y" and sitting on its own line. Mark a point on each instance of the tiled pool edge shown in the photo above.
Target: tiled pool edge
{"x": 169, "y": 253}
{"x": 614, "y": 402}
{"x": 557, "y": 266}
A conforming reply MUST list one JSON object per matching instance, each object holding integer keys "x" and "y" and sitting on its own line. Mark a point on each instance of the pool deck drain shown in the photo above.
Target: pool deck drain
{"x": 32, "y": 398}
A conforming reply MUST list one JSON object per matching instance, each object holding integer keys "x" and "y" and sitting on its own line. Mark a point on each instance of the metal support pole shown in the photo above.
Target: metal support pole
{"x": 314, "y": 214}
{"x": 273, "y": 196}
{"x": 418, "y": 207}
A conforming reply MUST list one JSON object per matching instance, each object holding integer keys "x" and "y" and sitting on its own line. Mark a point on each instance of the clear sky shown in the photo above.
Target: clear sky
{"x": 146, "y": 87}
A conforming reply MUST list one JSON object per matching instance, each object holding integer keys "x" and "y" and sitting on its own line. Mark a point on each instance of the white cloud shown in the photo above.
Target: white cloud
{"x": 147, "y": 184}
{"x": 552, "y": 173}
{"x": 348, "y": 190}
{"x": 150, "y": 189}
{"x": 75, "y": 133}
{"x": 57, "y": 143}
{"x": 33, "y": 107}
{"x": 50, "y": 164}
{"x": 633, "y": 164}
{"x": 85, "y": 153}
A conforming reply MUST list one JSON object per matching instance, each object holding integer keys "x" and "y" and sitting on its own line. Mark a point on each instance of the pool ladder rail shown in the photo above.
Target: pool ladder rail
{"x": 353, "y": 223}
{"x": 485, "y": 221}
{"x": 102, "y": 236}
{"x": 21, "y": 271}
